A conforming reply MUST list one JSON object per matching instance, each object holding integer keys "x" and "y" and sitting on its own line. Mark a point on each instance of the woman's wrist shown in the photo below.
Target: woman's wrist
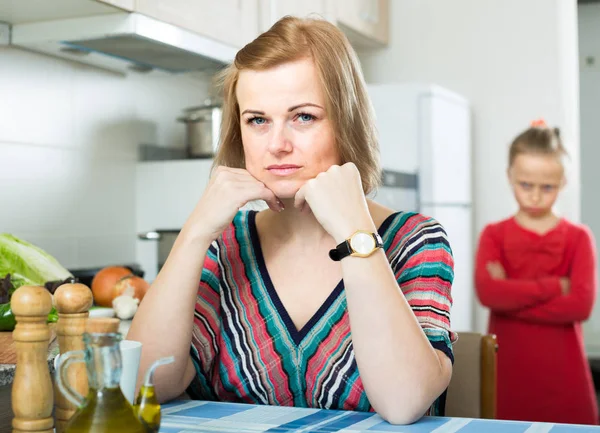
{"x": 195, "y": 238}
{"x": 348, "y": 228}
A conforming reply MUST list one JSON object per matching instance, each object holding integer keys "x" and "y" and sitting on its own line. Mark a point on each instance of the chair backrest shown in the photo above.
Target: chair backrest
{"x": 472, "y": 390}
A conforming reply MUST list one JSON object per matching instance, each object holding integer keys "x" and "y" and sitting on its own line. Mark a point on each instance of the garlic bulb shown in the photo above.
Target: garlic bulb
{"x": 125, "y": 306}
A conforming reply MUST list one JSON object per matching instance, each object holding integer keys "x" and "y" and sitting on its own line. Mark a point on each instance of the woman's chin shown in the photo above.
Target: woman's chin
{"x": 286, "y": 195}
{"x": 285, "y": 190}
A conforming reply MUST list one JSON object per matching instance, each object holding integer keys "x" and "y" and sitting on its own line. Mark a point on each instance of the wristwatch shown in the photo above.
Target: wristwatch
{"x": 360, "y": 244}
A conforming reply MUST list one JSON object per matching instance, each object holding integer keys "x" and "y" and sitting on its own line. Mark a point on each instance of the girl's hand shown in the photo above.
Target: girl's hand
{"x": 565, "y": 285}
{"x": 228, "y": 190}
{"x": 496, "y": 271}
{"x": 337, "y": 200}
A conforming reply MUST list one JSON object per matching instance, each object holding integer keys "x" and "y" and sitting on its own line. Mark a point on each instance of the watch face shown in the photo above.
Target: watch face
{"x": 362, "y": 243}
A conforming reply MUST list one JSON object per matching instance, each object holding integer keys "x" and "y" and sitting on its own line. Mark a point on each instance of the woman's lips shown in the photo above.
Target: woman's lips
{"x": 283, "y": 170}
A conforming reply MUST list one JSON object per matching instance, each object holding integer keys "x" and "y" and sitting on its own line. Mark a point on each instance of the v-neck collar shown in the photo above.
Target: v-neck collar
{"x": 296, "y": 334}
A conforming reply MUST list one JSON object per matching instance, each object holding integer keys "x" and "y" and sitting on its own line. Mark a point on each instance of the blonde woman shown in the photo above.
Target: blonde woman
{"x": 326, "y": 299}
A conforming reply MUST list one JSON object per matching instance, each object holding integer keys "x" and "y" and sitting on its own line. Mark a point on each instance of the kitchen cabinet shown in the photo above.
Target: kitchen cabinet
{"x": 233, "y": 22}
{"x": 365, "y": 22}
{"x": 128, "y": 5}
{"x": 30, "y": 11}
{"x": 216, "y": 32}
{"x": 272, "y": 10}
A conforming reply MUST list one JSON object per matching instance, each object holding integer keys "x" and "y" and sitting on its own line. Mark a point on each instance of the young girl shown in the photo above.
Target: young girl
{"x": 537, "y": 274}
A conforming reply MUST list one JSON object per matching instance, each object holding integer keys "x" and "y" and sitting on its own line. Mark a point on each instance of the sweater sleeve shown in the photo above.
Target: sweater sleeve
{"x": 509, "y": 294}
{"x": 205, "y": 330}
{"x": 577, "y": 305}
{"x": 424, "y": 268}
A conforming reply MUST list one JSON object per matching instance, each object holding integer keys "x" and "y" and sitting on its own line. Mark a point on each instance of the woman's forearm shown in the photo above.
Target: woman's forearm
{"x": 401, "y": 372}
{"x": 164, "y": 320}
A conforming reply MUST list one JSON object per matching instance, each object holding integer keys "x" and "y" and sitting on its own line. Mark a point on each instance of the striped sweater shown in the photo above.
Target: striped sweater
{"x": 245, "y": 347}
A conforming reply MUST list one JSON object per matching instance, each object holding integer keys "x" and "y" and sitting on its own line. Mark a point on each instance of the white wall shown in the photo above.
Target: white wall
{"x": 514, "y": 60}
{"x": 589, "y": 45}
{"x": 69, "y": 137}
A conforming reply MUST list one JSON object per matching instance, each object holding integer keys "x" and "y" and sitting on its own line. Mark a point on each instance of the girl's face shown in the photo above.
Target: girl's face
{"x": 536, "y": 181}
{"x": 287, "y": 136}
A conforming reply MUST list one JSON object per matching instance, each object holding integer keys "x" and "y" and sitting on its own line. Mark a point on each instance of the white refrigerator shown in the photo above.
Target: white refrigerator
{"x": 425, "y": 130}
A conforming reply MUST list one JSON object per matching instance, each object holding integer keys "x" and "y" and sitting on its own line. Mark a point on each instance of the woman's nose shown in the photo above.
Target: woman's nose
{"x": 280, "y": 140}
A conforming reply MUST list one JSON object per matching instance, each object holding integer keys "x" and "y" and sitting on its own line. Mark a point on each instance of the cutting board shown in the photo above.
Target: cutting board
{"x": 8, "y": 355}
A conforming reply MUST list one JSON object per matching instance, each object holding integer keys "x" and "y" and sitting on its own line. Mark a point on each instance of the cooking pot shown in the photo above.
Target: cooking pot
{"x": 203, "y": 124}
{"x": 165, "y": 240}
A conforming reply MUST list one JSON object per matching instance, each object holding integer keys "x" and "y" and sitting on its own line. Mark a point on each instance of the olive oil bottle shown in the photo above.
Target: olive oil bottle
{"x": 105, "y": 409}
{"x": 146, "y": 405}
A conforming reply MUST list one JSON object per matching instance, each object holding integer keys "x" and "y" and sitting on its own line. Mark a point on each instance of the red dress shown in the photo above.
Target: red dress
{"x": 543, "y": 372}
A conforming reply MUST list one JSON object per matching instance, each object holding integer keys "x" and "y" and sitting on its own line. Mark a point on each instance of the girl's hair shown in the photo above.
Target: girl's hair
{"x": 538, "y": 139}
{"x": 347, "y": 104}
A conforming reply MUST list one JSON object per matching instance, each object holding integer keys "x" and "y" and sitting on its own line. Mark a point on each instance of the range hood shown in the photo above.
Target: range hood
{"x": 124, "y": 42}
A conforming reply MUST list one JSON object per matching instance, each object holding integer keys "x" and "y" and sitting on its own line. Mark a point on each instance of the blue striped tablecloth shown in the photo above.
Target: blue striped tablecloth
{"x": 200, "y": 416}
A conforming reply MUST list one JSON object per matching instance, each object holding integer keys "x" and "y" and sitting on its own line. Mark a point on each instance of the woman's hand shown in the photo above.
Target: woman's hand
{"x": 337, "y": 200}
{"x": 228, "y": 190}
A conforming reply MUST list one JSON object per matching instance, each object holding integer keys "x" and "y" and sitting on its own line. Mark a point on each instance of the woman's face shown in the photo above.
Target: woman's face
{"x": 286, "y": 133}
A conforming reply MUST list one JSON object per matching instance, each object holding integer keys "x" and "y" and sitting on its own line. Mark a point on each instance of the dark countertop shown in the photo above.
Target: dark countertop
{"x": 7, "y": 375}
{"x": 7, "y": 371}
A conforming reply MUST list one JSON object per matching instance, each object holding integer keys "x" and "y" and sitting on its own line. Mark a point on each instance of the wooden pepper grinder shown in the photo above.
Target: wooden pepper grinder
{"x": 73, "y": 302}
{"x": 102, "y": 325}
{"x": 32, "y": 398}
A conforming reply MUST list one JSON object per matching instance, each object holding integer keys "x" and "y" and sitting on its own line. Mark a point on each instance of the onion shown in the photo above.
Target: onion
{"x": 135, "y": 286}
{"x": 112, "y": 281}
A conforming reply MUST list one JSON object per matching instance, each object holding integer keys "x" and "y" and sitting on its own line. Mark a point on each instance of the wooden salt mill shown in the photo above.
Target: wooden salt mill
{"x": 73, "y": 302}
{"x": 102, "y": 325}
{"x": 32, "y": 398}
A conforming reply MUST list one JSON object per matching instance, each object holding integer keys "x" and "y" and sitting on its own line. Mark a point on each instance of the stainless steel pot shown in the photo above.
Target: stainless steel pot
{"x": 165, "y": 240}
{"x": 203, "y": 124}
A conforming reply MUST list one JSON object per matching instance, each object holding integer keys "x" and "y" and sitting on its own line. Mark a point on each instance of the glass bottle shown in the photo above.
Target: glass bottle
{"x": 105, "y": 409}
{"x": 146, "y": 405}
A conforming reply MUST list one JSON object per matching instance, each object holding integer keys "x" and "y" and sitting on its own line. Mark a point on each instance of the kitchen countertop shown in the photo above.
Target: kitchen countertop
{"x": 7, "y": 371}
{"x": 7, "y": 375}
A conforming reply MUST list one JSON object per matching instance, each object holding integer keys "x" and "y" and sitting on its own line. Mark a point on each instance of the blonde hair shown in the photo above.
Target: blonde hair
{"x": 537, "y": 140}
{"x": 347, "y": 104}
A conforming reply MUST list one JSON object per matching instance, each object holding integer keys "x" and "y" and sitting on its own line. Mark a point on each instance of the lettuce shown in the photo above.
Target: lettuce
{"x": 28, "y": 264}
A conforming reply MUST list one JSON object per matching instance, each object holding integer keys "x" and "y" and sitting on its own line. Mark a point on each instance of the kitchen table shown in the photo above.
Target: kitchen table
{"x": 202, "y": 416}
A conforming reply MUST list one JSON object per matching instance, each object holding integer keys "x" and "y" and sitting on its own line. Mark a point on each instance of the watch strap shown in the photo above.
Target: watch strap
{"x": 344, "y": 249}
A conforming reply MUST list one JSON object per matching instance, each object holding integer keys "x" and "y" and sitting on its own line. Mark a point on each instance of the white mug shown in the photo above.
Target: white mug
{"x": 131, "y": 351}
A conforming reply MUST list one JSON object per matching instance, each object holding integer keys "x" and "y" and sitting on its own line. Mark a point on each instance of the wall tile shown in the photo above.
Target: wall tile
{"x": 36, "y": 99}
{"x": 69, "y": 137}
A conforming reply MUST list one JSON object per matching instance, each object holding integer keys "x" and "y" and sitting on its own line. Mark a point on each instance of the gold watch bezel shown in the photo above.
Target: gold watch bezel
{"x": 355, "y": 253}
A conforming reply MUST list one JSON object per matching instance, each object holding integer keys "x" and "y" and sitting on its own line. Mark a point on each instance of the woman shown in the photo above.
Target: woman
{"x": 270, "y": 320}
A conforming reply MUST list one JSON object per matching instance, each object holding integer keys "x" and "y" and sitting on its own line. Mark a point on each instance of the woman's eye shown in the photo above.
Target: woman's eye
{"x": 257, "y": 120}
{"x": 305, "y": 117}
{"x": 525, "y": 185}
{"x": 548, "y": 188}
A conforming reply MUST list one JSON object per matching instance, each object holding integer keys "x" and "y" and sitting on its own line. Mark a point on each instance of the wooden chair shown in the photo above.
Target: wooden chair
{"x": 472, "y": 390}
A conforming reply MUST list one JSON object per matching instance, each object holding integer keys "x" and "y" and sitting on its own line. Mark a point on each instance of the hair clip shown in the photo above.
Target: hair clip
{"x": 539, "y": 123}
